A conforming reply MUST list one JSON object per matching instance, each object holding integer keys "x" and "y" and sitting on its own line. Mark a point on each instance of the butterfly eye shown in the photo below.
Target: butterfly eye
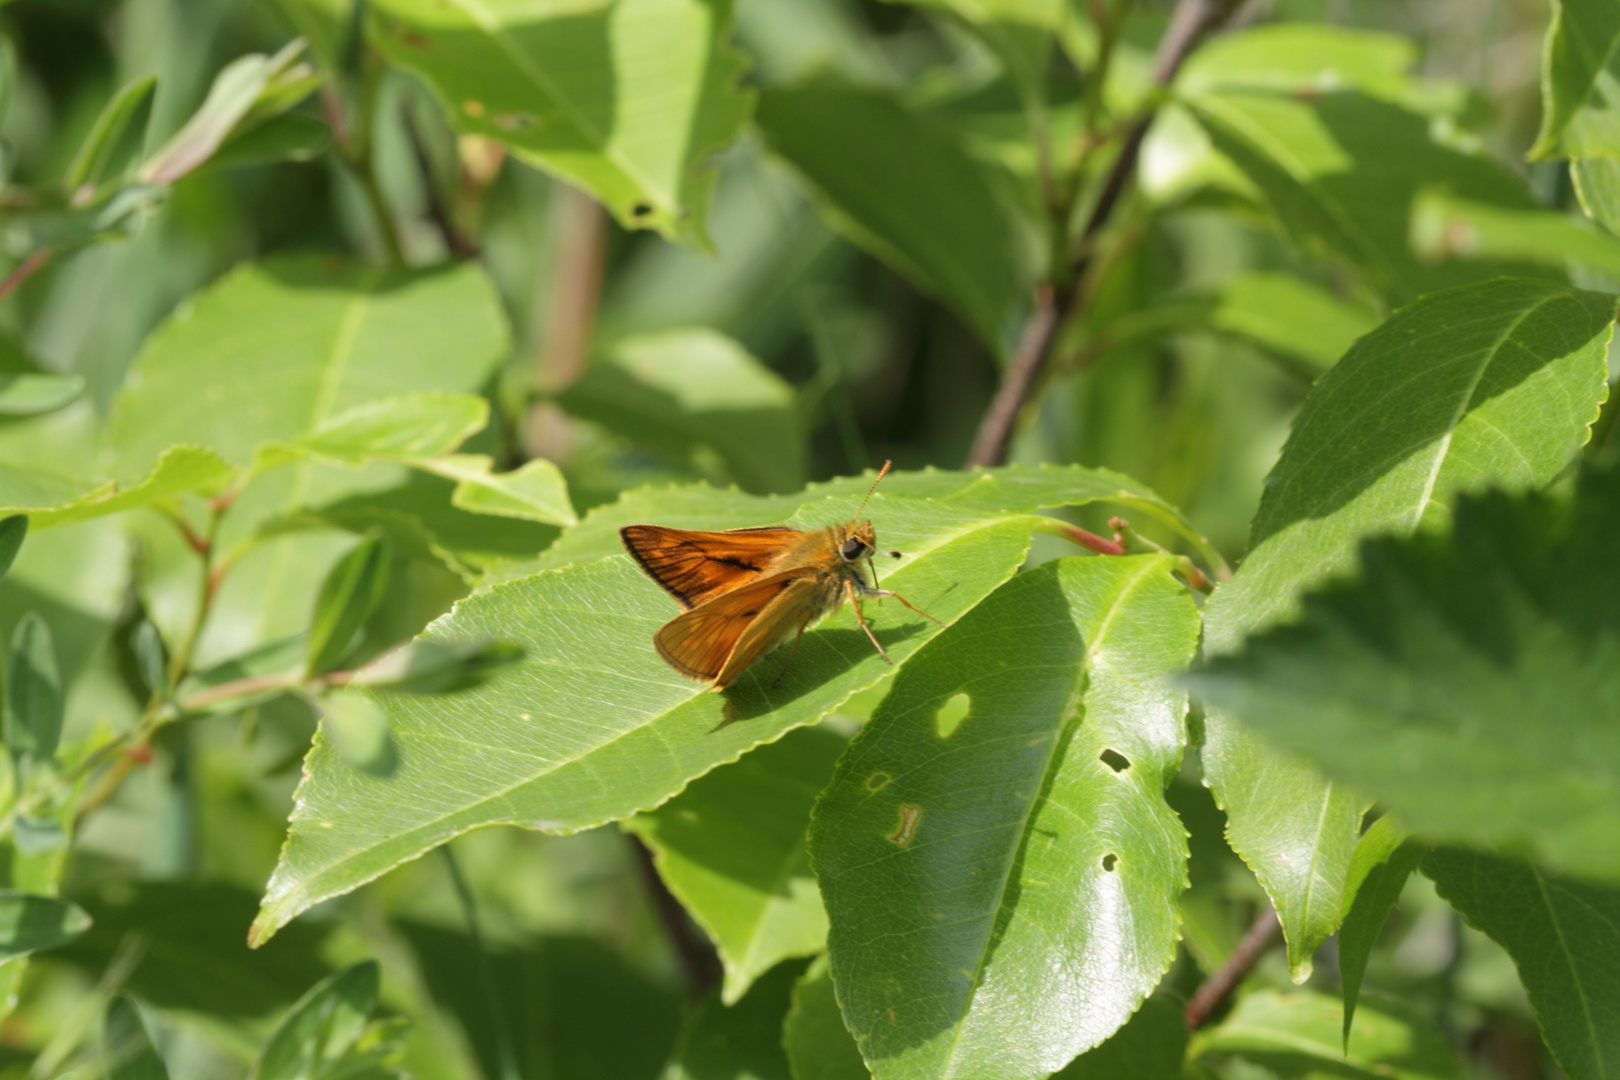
{"x": 852, "y": 548}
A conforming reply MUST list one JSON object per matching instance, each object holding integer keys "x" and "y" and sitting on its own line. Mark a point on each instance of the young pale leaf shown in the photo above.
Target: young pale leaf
{"x": 1444, "y": 227}
{"x": 1150, "y": 1046}
{"x": 1470, "y": 680}
{"x": 34, "y": 395}
{"x": 731, "y": 847}
{"x": 961, "y": 851}
{"x": 1381, "y": 865}
{"x": 906, "y": 191}
{"x": 180, "y": 470}
{"x": 742, "y": 1041}
{"x": 1597, "y": 184}
{"x": 1304, "y": 58}
{"x": 116, "y": 138}
{"x": 627, "y": 102}
{"x": 322, "y": 1027}
{"x": 294, "y": 341}
{"x": 359, "y": 730}
{"x": 127, "y": 1052}
{"x": 29, "y": 923}
{"x": 1580, "y": 109}
{"x": 818, "y": 1045}
{"x": 1339, "y": 170}
{"x": 534, "y": 492}
{"x": 237, "y": 89}
{"x": 1562, "y": 934}
{"x": 592, "y": 726}
{"x": 676, "y": 390}
{"x": 352, "y": 590}
{"x": 12, "y": 531}
{"x": 1499, "y": 382}
{"x": 1297, "y": 1035}
{"x": 33, "y": 709}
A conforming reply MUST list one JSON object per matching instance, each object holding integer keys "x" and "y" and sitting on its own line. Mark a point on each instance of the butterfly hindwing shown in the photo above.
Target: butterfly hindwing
{"x": 721, "y": 637}
{"x": 694, "y": 566}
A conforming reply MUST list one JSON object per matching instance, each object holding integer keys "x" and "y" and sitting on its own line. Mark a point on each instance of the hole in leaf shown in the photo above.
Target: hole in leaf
{"x": 1115, "y": 760}
{"x": 641, "y": 209}
{"x": 951, "y": 714}
{"x": 1109, "y": 861}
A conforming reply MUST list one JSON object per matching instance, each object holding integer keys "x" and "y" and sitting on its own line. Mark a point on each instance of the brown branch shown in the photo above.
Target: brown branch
{"x": 697, "y": 955}
{"x": 1057, "y": 301}
{"x": 576, "y": 288}
{"x": 26, "y": 269}
{"x": 1210, "y": 996}
{"x": 454, "y": 241}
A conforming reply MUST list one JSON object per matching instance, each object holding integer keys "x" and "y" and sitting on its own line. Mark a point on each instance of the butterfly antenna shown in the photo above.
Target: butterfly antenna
{"x": 881, "y": 474}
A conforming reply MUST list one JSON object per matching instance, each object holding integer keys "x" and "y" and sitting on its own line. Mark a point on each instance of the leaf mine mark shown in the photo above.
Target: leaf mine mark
{"x": 1115, "y": 760}
{"x": 877, "y": 781}
{"x": 1109, "y": 861}
{"x": 951, "y": 714}
{"x": 909, "y": 816}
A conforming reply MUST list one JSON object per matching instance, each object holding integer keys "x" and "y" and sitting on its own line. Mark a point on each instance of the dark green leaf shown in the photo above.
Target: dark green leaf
{"x": 1150, "y": 1046}
{"x": 1298, "y": 1035}
{"x": 116, "y": 139}
{"x": 322, "y": 1027}
{"x": 1597, "y": 183}
{"x": 150, "y": 656}
{"x": 1580, "y": 105}
{"x": 358, "y": 729}
{"x": 742, "y": 1041}
{"x": 818, "y": 1045}
{"x": 126, "y": 1046}
{"x": 1498, "y": 384}
{"x": 1378, "y": 872}
{"x": 731, "y": 847}
{"x": 291, "y": 137}
{"x": 33, "y": 712}
{"x": 627, "y": 102}
{"x": 959, "y": 853}
{"x": 680, "y": 389}
{"x": 910, "y": 194}
{"x": 352, "y": 590}
{"x": 1468, "y": 679}
{"x": 1339, "y": 170}
{"x": 29, "y": 923}
{"x": 12, "y": 531}
{"x": 1562, "y": 934}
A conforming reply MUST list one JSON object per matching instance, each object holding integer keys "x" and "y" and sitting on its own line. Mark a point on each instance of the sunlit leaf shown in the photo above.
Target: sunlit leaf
{"x": 1444, "y": 227}
{"x": 1579, "y": 93}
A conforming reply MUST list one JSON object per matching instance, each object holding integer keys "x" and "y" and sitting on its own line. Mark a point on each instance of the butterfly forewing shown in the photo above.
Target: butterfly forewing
{"x": 694, "y": 566}
{"x": 728, "y": 632}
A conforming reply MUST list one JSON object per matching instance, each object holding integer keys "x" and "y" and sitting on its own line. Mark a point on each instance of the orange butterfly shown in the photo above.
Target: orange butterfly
{"x": 747, "y": 590}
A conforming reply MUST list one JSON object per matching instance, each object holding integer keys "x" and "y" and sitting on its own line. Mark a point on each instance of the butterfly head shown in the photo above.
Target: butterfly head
{"x": 856, "y": 541}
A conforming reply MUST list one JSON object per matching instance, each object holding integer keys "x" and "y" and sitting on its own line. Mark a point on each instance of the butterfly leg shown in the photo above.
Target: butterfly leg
{"x": 849, "y": 587}
{"x": 791, "y": 653}
{"x": 903, "y": 600}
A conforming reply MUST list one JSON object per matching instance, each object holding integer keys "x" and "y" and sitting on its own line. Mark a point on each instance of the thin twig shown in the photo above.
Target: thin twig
{"x": 575, "y": 290}
{"x": 26, "y": 269}
{"x": 1209, "y": 997}
{"x": 437, "y": 212}
{"x": 696, "y": 953}
{"x": 1054, "y": 306}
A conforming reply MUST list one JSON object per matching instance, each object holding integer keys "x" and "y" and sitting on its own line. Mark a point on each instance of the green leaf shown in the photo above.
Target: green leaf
{"x": 29, "y": 923}
{"x": 1297, "y": 1035}
{"x": 1020, "y": 32}
{"x": 731, "y": 847}
{"x": 33, "y": 710}
{"x": 741, "y": 1041}
{"x": 593, "y": 726}
{"x": 291, "y": 137}
{"x": 818, "y": 1045}
{"x": 322, "y": 1027}
{"x": 1339, "y": 171}
{"x": 357, "y": 728}
{"x": 1561, "y": 934}
{"x": 32, "y": 395}
{"x": 13, "y": 529}
{"x": 959, "y": 854}
{"x": 149, "y": 655}
{"x": 126, "y": 1045}
{"x": 1444, "y": 227}
{"x": 239, "y": 87}
{"x": 1378, "y": 871}
{"x": 1150, "y": 1046}
{"x": 435, "y": 667}
{"x": 116, "y": 139}
{"x": 180, "y": 470}
{"x": 277, "y": 348}
{"x": 625, "y": 101}
{"x": 1579, "y": 96}
{"x": 1597, "y": 184}
{"x": 679, "y": 389}
{"x": 534, "y": 492}
{"x": 1289, "y": 316}
{"x": 1498, "y": 384}
{"x": 1469, "y": 679}
{"x": 351, "y": 592}
{"x": 910, "y": 194}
